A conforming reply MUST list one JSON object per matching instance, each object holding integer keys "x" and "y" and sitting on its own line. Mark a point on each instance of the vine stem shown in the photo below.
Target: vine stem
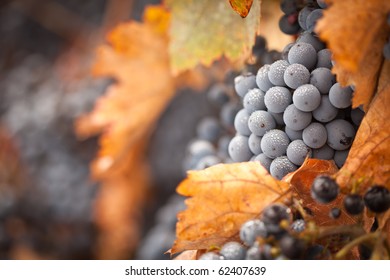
{"x": 347, "y": 248}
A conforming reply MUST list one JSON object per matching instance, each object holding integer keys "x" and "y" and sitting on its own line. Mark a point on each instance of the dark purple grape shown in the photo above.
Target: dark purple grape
{"x": 377, "y": 199}
{"x": 353, "y": 204}
{"x": 324, "y": 189}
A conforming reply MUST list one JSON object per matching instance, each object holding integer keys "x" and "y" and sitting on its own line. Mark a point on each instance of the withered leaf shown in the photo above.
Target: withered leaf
{"x": 355, "y": 31}
{"x": 368, "y": 161}
{"x": 222, "y": 198}
{"x": 242, "y": 7}
{"x": 301, "y": 181}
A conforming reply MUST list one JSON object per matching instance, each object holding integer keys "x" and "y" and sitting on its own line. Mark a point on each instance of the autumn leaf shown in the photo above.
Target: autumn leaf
{"x": 368, "y": 161}
{"x": 301, "y": 181}
{"x": 203, "y": 31}
{"x": 355, "y": 31}
{"x": 222, "y": 198}
{"x": 136, "y": 56}
{"x": 242, "y": 7}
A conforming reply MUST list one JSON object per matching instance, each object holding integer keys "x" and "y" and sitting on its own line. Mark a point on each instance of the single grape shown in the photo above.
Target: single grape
{"x": 323, "y": 79}
{"x": 322, "y": 4}
{"x": 293, "y": 134}
{"x": 340, "y": 97}
{"x": 286, "y": 50}
{"x": 296, "y": 75}
{"x": 233, "y": 251}
{"x": 307, "y": 98}
{"x": 254, "y": 143}
{"x": 289, "y": 7}
{"x": 207, "y": 161}
{"x": 243, "y": 83}
{"x": 302, "y": 16}
{"x": 275, "y": 213}
{"x": 277, "y": 99}
{"x": 274, "y": 143}
{"x": 326, "y": 111}
{"x": 200, "y": 148}
{"x": 287, "y": 26}
{"x": 262, "y": 79}
{"x": 340, "y": 157}
{"x": 298, "y": 225}
{"x": 340, "y": 134}
{"x": 297, "y": 152}
{"x": 335, "y": 213}
{"x": 241, "y": 123}
{"x": 209, "y": 129}
{"x": 218, "y": 94}
{"x": 260, "y": 122}
{"x": 264, "y": 161}
{"x": 228, "y": 114}
{"x": 312, "y": 19}
{"x": 303, "y": 53}
{"x": 377, "y": 199}
{"x": 291, "y": 247}
{"x": 254, "y": 253}
{"x": 252, "y": 229}
{"x": 239, "y": 149}
{"x": 223, "y": 146}
{"x": 278, "y": 117}
{"x": 210, "y": 256}
{"x": 324, "y": 189}
{"x": 276, "y": 72}
{"x": 307, "y": 37}
{"x": 281, "y": 166}
{"x": 353, "y": 204}
{"x": 325, "y": 152}
{"x": 254, "y": 100}
{"x": 357, "y": 116}
{"x": 296, "y": 119}
{"x": 314, "y": 135}
{"x": 324, "y": 59}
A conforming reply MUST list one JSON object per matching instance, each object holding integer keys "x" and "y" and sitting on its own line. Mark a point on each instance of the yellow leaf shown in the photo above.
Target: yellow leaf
{"x": 223, "y": 197}
{"x": 203, "y": 31}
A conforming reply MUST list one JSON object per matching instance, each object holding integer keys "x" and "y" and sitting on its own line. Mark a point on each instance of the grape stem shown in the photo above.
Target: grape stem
{"x": 361, "y": 239}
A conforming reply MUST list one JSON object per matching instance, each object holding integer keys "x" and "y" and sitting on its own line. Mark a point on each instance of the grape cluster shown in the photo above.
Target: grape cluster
{"x": 294, "y": 108}
{"x": 214, "y": 133}
{"x": 275, "y": 235}
{"x": 300, "y": 15}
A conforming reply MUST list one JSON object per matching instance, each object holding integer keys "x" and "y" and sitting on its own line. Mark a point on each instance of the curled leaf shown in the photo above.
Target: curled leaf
{"x": 222, "y": 198}
{"x": 368, "y": 161}
{"x": 242, "y": 7}
{"x": 355, "y": 31}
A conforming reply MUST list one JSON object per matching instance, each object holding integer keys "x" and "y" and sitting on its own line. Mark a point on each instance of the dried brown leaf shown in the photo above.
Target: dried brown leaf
{"x": 369, "y": 158}
{"x": 223, "y": 197}
{"x": 242, "y": 7}
{"x": 355, "y": 31}
{"x": 301, "y": 181}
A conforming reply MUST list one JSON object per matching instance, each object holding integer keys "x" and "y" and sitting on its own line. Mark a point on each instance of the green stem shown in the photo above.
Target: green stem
{"x": 347, "y": 248}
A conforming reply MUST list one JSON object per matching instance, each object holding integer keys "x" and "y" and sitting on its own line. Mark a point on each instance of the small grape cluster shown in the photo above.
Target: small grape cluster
{"x": 325, "y": 190}
{"x": 282, "y": 232}
{"x": 292, "y": 109}
{"x": 300, "y": 15}
{"x": 214, "y": 133}
{"x": 274, "y": 236}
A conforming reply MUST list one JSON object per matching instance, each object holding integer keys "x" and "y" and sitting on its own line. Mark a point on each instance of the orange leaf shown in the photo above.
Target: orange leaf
{"x": 136, "y": 56}
{"x": 369, "y": 159}
{"x": 223, "y": 197}
{"x": 242, "y": 7}
{"x": 355, "y": 31}
{"x": 301, "y": 181}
